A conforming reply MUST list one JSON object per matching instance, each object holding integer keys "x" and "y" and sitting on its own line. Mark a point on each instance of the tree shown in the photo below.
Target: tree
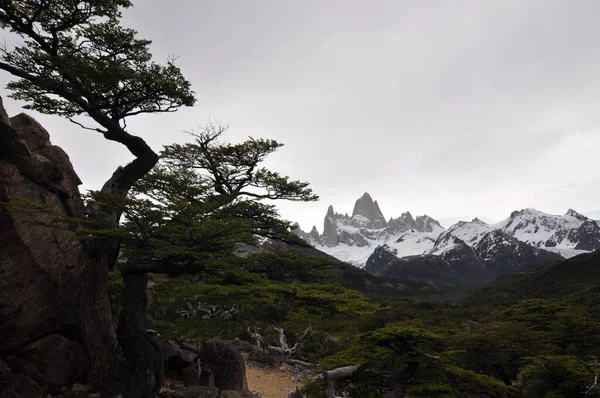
{"x": 76, "y": 60}
{"x": 188, "y": 216}
{"x": 399, "y": 359}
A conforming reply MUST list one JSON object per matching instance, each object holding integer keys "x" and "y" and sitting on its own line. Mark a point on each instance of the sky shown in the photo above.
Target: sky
{"x": 454, "y": 109}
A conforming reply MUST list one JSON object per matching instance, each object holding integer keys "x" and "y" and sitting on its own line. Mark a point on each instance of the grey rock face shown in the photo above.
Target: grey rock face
{"x": 587, "y": 236}
{"x": 367, "y": 213}
{"x": 427, "y": 224}
{"x": 381, "y": 257}
{"x": 330, "y": 233}
{"x": 403, "y": 223}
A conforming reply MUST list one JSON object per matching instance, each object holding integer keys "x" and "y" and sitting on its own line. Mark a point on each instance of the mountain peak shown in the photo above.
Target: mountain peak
{"x": 576, "y": 215}
{"x": 330, "y": 212}
{"x": 365, "y": 207}
{"x": 366, "y": 196}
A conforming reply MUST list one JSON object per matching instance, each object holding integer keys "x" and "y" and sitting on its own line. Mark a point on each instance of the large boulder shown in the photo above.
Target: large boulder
{"x": 18, "y": 385}
{"x": 40, "y": 267}
{"x": 226, "y": 364}
{"x": 54, "y": 361}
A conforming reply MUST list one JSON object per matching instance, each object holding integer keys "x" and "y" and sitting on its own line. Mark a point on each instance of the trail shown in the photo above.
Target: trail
{"x": 271, "y": 383}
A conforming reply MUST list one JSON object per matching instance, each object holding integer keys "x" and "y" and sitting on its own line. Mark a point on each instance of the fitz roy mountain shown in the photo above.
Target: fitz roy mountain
{"x": 420, "y": 247}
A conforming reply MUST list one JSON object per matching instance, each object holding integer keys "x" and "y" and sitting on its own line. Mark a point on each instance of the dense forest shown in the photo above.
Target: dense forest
{"x": 527, "y": 335}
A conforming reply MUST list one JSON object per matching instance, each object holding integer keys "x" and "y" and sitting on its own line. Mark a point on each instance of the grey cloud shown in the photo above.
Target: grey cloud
{"x": 444, "y": 108}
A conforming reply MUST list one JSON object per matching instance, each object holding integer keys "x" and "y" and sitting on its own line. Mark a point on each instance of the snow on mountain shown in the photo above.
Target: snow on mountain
{"x": 353, "y": 239}
{"x": 468, "y": 232}
{"x": 569, "y": 235}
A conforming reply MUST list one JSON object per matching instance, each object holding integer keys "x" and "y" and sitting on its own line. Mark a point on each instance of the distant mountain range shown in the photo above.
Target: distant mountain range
{"x": 466, "y": 251}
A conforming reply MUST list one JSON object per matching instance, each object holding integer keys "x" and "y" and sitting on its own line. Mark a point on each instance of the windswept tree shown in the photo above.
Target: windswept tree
{"x": 188, "y": 216}
{"x": 74, "y": 59}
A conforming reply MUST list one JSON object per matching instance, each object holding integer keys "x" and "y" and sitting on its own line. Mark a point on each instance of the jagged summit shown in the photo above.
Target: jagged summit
{"x": 576, "y": 215}
{"x": 330, "y": 212}
{"x": 367, "y": 213}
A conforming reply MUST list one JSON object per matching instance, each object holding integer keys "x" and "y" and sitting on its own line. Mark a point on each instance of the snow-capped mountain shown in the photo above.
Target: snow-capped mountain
{"x": 495, "y": 254}
{"x": 569, "y": 235}
{"x": 353, "y": 239}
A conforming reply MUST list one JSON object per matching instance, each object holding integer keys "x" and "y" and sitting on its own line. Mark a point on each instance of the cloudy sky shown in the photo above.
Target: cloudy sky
{"x": 455, "y": 109}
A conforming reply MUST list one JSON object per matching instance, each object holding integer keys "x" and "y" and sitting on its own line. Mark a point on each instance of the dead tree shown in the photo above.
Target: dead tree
{"x": 287, "y": 353}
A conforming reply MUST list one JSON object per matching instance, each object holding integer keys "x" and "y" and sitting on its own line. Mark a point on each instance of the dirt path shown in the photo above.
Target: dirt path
{"x": 271, "y": 383}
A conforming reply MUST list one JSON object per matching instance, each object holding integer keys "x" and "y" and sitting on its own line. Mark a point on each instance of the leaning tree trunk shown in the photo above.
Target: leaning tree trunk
{"x": 94, "y": 311}
{"x": 95, "y": 319}
{"x": 144, "y": 356}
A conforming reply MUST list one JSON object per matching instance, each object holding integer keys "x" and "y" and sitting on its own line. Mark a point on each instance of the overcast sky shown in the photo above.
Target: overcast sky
{"x": 455, "y": 109}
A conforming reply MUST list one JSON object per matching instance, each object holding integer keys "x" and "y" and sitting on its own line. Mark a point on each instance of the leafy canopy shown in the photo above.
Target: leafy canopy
{"x": 201, "y": 201}
{"x": 75, "y": 58}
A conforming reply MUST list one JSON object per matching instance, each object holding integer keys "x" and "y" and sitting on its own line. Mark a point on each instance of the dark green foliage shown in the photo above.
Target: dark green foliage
{"x": 555, "y": 376}
{"x": 201, "y": 202}
{"x": 513, "y": 337}
{"x": 258, "y": 302}
{"x": 76, "y": 59}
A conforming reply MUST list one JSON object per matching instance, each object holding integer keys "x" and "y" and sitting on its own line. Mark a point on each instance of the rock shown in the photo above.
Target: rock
{"x": 295, "y": 394}
{"x": 427, "y": 224}
{"x": 187, "y": 356}
{"x": 365, "y": 207}
{"x": 330, "y": 235}
{"x": 53, "y": 360}
{"x": 36, "y": 137}
{"x": 226, "y": 364}
{"x": 403, "y": 223}
{"x": 207, "y": 378}
{"x": 198, "y": 392}
{"x": 256, "y": 355}
{"x": 78, "y": 391}
{"x": 3, "y": 115}
{"x": 189, "y": 376}
{"x": 17, "y": 385}
{"x": 40, "y": 267}
{"x": 81, "y": 387}
{"x": 234, "y": 394}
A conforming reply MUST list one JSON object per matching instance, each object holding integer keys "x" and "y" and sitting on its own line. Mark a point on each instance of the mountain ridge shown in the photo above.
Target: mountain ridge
{"x": 354, "y": 239}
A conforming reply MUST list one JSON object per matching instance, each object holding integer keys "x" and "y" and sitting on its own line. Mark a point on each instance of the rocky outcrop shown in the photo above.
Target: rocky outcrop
{"x": 40, "y": 267}
{"x": 427, "y": 224}
{"x": 330, "y": 233}
{"x": 403, "y": 223}
{"x": 53, "y": 361}
{"x": 225, "y": 363}
{"x": 587, "y": 236}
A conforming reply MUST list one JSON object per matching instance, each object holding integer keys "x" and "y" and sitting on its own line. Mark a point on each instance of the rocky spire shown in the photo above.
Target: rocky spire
{"x": 330, "y": 235}
{"x": 330, "y": 212}
{"x": 368, "y": 209}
